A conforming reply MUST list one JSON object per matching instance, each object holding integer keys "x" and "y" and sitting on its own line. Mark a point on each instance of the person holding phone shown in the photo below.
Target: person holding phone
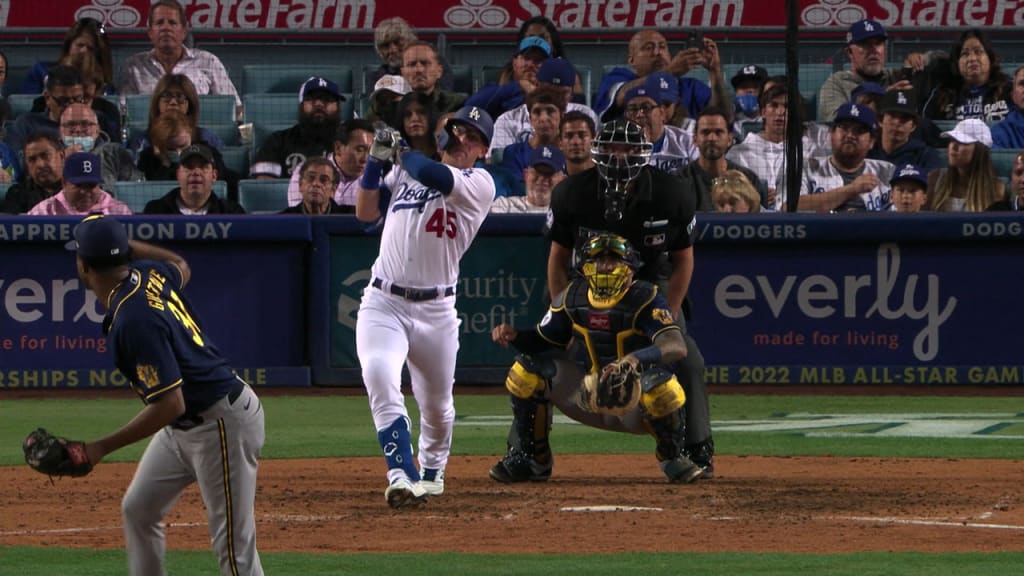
{"x": 649, "y": 53}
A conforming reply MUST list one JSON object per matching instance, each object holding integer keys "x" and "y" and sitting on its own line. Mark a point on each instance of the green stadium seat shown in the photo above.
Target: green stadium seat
{"x": 263, "y": 196}
{"x": 288, "y": 78}
{"x": 1002, "y": 162}
{"x": 137, "y": 194}
{"x": 284, "y": 108}
{"x": 20, "y": 104}
{"x": 260, "y": 131}
{"x": 237, "y": 159}
{"x": 216, "y": 109}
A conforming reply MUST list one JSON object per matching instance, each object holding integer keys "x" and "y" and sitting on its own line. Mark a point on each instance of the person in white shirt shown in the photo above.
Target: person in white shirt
{"x": 545, "y": 171}
{"x": 847, "y": 180}
{"x": 651, "y": 105}
{"x": 167, "y": 30}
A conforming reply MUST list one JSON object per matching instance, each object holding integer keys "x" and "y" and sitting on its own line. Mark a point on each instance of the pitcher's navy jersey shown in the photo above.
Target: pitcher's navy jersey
{"x": 158, "y": 342}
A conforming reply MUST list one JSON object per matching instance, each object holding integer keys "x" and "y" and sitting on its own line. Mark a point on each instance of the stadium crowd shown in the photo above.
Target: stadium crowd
{"x": 942, "y": 131}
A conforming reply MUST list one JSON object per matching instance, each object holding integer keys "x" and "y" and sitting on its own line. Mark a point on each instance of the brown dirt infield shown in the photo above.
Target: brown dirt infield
{"x": 755, "y": 504}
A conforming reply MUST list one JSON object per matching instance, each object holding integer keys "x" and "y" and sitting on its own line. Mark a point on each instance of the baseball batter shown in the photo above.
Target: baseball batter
{"x": 407, "y": 315}
{"x": 207, "y": 423}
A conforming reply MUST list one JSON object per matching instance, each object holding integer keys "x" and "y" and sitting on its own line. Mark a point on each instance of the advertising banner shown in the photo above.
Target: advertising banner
{"x": 248, "y": 293}
{"x": 568, "y": 15}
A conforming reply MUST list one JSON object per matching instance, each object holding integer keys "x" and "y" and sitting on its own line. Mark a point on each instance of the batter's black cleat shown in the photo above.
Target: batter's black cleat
{"x": 681, "y": 470}
{"x": 519, "y": 468}
{"x": 702, "y": 455}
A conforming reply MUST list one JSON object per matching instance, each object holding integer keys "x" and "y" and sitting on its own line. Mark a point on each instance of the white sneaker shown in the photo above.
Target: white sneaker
{"x": 433, "y": 481}
{"x": 402, "y": 493}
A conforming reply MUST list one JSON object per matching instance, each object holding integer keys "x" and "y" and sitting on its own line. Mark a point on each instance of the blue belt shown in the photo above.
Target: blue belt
{"x": 188, "y": 421}
{"x": 414, "y": 294}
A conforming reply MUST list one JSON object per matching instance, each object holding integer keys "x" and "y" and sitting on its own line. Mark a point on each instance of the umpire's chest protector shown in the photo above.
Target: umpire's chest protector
{"x": 607, "y": 334}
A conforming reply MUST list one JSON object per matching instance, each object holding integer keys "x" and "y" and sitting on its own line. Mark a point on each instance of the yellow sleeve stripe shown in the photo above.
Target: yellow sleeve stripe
{"x": 663, "y": 330}
{"x": 160, "y": 391}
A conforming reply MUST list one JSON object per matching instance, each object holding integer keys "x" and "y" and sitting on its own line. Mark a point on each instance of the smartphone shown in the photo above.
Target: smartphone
{"x": 906, "y": 73}
{"x": 695, "y": 39}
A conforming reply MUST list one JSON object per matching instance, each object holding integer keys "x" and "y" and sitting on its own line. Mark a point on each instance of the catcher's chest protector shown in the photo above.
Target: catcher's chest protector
{"x": 608, "y": 333}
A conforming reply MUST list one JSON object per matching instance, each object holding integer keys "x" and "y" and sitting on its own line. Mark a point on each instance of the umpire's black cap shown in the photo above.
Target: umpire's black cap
{"x": 100, "y": 238}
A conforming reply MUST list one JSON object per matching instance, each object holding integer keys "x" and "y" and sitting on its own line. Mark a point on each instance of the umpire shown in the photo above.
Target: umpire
{"x": 651, "y": 209}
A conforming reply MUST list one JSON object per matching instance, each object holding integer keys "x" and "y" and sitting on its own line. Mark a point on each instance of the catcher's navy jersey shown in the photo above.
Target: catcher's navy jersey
{"x": 158, "y": 342}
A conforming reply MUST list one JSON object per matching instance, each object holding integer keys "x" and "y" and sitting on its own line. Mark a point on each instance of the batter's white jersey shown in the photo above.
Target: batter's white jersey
{"x": 820, "y": 175}
{"x": 425, "y": 232}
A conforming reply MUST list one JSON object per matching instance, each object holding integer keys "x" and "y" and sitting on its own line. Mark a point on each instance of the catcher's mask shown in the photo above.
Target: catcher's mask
{"x": 607, "y": 286}
{"x": 620, "y": 151}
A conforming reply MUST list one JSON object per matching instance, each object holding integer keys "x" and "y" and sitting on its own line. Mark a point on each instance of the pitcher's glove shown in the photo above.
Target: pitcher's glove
{"x": 54, "y": 455}
{"x": 615, "y": 391}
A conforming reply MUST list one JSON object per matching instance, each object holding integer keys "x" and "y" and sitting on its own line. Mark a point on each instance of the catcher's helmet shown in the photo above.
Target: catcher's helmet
{"x": 609, "y": 286}
{"x": 620, "y": 150}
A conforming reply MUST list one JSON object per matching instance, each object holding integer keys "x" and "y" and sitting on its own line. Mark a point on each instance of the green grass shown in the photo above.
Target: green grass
{"x": 340, "y": 426}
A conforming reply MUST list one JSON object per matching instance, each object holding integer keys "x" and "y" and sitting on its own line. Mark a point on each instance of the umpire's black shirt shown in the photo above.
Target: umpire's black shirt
{"x": 658, "y": 216}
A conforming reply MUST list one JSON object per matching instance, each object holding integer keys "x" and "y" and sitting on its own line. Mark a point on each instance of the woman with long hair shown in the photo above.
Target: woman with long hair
{"x": 971, "y": 84}
{"x": 970, "y": 183}
{"x": 415, "y": 119}
{"x": 86, "y": 36}
{"x": 175, "y": 93}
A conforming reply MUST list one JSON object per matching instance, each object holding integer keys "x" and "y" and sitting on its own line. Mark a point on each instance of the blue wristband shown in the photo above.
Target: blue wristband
{"x": 371, "y": 174}
{"x": 648, "y": 356}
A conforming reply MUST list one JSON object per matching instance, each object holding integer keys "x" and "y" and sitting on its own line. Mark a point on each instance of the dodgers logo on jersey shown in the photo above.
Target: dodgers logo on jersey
{"x": 407, "y": 197}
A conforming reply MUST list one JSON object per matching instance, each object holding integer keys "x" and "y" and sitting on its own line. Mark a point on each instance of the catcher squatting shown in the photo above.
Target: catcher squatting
{"x": 624, "y": 336}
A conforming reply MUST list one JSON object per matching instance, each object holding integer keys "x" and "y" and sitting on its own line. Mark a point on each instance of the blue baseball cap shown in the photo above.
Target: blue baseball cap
{"x": 661, "y": 87}
{"x": 83, "y": 168}
{"x": 474, "y": 116}
{"x": 910, "y": 172}
{"x": 319, "y": 84}
{"x": 549, "y": 156}
{"x": 872, "y": 88}
{"x": 557, "y": 71}
{"x": 856, "y": 113}
{"x": 99, "y": 238}
{"x": 534, "y": 42}
{"x": 864, "y": 30}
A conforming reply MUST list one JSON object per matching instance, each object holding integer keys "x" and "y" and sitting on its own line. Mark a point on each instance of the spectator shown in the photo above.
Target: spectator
{"x": 175, "y": 93}
{"x": 577, "y": 133}
{"x": 847, "y": 180}
{"x": 387, "y": 92}
{"x": 10, "y": 168}
{"x": 897, "y": 142}
{"x": 63, "y": 87}
{"x": 545, "y": 170}
{"x": 44, "y": 161}
{"x": 87, "y": 36}
{"x": 82, "y": 192}
{"x": 172, "y": 134}
{"x": 909, "y": 189}
{"x": 390, "y": 38}
{"x": 421, "y": 68}
{"x": 546, "y": 108}
{"x": 865, "y": 47}
{"x": 733, "y": 192}
{"x": 351, "y": 146}
{"x": 316, "y": 178}
{"x": 416, "y": 116}
{"x": 1009, "y": 133}
{"x": 196, "y": 174}
{"x": 167, "y": 29}
{"x": 648, "y": 52}
{"x": 514, "y": 126}
{"x": 970, "y": 183}
{"x": 319, "y": 115}
{"x": 650, "y": 105}
{"x": 5, "y": 106}
{"x": 713, "y": 140}
{"x": 747, "y": 84}
{"x": 539, "y": 27}
{"x": 80, "y": 132}
{"x": 868, "y": 94}
{"x": 108, "y": 114}
{"x": 500, "y": 97}
{"x": 1017, "y": 182}
{"x": 972, "y": 85}
{"x": 764, "y": 153}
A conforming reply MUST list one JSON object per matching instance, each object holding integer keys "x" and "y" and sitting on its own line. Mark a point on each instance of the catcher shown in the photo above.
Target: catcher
{"x": 625, "y": 339}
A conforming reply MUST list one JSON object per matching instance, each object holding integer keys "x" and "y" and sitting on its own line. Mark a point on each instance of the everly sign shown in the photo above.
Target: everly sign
{"x": 510, "y": 14}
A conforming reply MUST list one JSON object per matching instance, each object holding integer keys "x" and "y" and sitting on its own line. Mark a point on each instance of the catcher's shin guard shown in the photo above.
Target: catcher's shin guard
{"x": 529, "y": 457}
{"x": 670, "y": 433}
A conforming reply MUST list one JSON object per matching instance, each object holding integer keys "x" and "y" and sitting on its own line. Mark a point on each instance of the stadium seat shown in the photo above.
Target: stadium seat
{"x": 1002, "y": 162}
{"x": 288, "y": 78}
{"x": 489, "y": 73}
{"x": 137, "y": 194}
{"x": 20, "y": 104}
{"x": 216, "y": 109}
{"x": 263, "y": 196}
{"x": 228, "y": 133}
{"x": 138, "y": 108}
{"x": 586, "y": 82}
{"x": 284, "y": 108}
{"x": 237, "y": 159}
{"x": 462, "y": 78}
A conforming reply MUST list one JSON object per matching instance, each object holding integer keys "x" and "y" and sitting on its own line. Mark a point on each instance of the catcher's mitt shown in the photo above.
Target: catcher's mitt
{"x": 55, "y": 456}
{"x": 615, "y": 391}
